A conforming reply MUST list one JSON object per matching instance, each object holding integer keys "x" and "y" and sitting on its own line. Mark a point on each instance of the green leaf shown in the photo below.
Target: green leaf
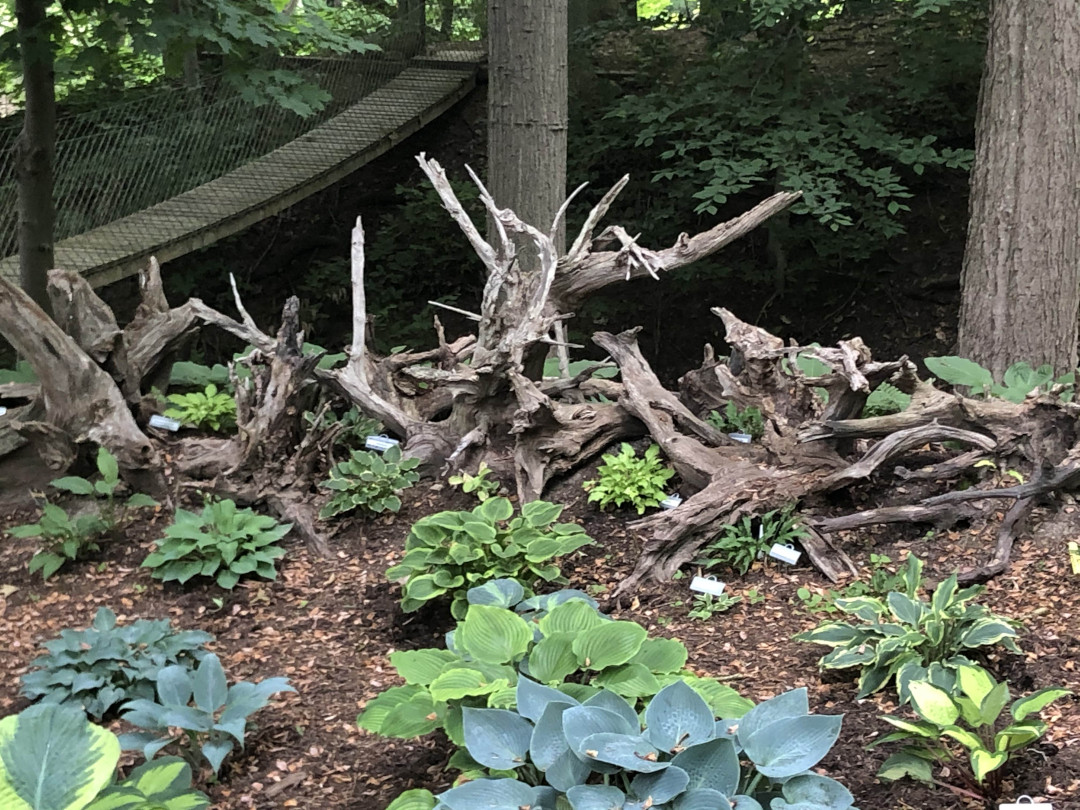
{"x": 983, "y": 762}
{"x": 494, "y": 510}
{"x": 422, "y": 666}
{"x": 107, "y": 466}
{"x": 1036, "y": 702}
{"x": 574, "y": 616}
{"x": 661, "y": 655}
{"x": 933, "y": 704}
{"x": 629, "y": 680}
{"x": 791, "y": 746}
{"x": 416, "y": 799}
{"x": 493, "y": 635}
{"x": 986, "y": 632}
{"x": 609, "y": 644}
{"x": 993, "y": 703}
{"x": 73, "y": 484}
{"x": 496, "y": 738}
{"x": 960, "y": 371}
{"x": 975, "y": 682}
{"x": 900, "y": 765}
{"x": 552, "y": 660}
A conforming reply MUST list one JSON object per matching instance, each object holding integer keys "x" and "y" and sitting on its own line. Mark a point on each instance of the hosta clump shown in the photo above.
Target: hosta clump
{"x": 207, "y": 409}
{"x": 967, "y": 722}
{"x": 560, "y": 640}
{"x": 449, "y": 552}
{"x": 105, "y": 665}
{"x": 682, "y": 757}
{"x": 210, "y": 728}
{"x": 909, "y": 638}
{"x": 222, "y": 542}
{"x": 53, "y": 758}
{"x": 738, "y": 545}
{"x": 369, "y": 481}
{"x": 627, "y": 480}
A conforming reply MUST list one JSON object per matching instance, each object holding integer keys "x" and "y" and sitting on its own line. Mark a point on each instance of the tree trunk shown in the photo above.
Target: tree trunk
{"x": 527, "y": 117}
{"x": 446, "y": 20}
{"x": 34, "y": 152}
{"x": 411, "y": 26}
{"x": 1020, "y": 277}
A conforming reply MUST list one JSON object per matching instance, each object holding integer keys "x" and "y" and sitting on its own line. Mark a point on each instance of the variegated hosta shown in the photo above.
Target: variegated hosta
{"x": 910, "y": 639}
{"x": 596, "y": 755}
{"x": 561, "y": 640}
{"x": 965, "y": 725}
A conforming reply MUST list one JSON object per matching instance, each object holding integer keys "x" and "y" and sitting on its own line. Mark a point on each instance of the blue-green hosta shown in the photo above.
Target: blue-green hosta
{"x": 104, "y": 665}
{"x": 908, "y": 638}
{"x": 560, "y": 640}
{"x": 556, "y": 748}
{"x": 210, "y": 728}
{"x": 969, "y": 718}
{"x": 450, "y": 552}
{"x": 53, "y": 758}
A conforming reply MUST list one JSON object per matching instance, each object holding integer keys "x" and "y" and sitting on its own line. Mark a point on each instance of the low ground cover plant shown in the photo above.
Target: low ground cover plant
{"x": 479, "y": 485}
{"x": 105, "y": 665}
{"x": 733, "y": 419}
{"x": 222, "y": 542}
{"x": 198, "y": 709}
{"x": 553, "y": 746}
{"x": 53, "y": 758}
{"x": 952, "y": 727}
{"x": 909, "y": 639}
{"x": 1019, "y": 380}
{"x": 450, "y": 552}
{"x": 69, "y": 537}
{"x": 560, "y": 641}
{"x": 625, "y": 479}
{"x": 369, "y": 481}
{"x": 881, "y": 582}
{"x": 209, "y": 409}
{"x": 739, "y": 544}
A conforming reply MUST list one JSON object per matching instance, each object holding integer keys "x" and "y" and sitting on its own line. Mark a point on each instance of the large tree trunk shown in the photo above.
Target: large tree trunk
{"x": 34, "y": 151}
{"x": 411, "y": 26}
{"x": 1020, "y": 275}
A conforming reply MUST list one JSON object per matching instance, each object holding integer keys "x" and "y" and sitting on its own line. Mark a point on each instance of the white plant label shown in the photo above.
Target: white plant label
{"x": 786, "y": 553}
{"x": 1029, "y": 804}
{"x": 3, "y": 410}
{"x": 745, "y": 438}
{"x": 380, "y": 443}
{"x": 709, "y": 585}
{"x": 671, "y": 501}
{"x": 164, "y": 422}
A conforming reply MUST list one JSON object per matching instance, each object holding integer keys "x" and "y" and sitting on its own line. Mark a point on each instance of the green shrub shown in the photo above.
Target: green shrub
{"x": 553, "y": 745}
{"x": 747, "y": 420}
{"x": 910, "y": 639}
{"x": 221, "y": 542}
{"x": 53, "y": 758}
{"x": 560, "y": 640}
{"x": 105, "y": 665}
{"x": 207, "y": 409}
{"x": 970, "y": 718}
{"x": 69, "y": 538}
{"x": 350, "y": 430}
{"x": 369, "y": 481}
{"x": 479, "y": 485}
{"x": 738, "y": 545}
{"x": 1020, "y": 379}
{"x": 208, "y": 730}
{"x": 626, "y": 479}
{"x": 449, "y": 552}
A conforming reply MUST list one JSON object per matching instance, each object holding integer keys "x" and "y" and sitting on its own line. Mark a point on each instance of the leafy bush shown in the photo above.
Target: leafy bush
{"x": 53, "y": 758}
{"x": 626, "y": 479}
{"x": 105, "y": 665}
{"x": 682, "y": 755}
{"x": 1020, "y": 379}
{"x": 747, "y": 420}
{"x": 449, "y": 552}
{"x": 479, "y": 484}
{"x": 69, "y": 538}
{"x": 207, "y": 409}
{"x": 908, "y": 638}
{"x": 738, "y": 545}
{"x": 560, "y": 640}
{"x": 942, "y": 719}
{"x": 212, "y": 727}
{"x": 369, "y": 481}
{"x": 221, "y": 542}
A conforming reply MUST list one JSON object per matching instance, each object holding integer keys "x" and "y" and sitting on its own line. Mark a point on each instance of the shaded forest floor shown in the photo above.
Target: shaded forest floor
{"x": 330, "y": 625}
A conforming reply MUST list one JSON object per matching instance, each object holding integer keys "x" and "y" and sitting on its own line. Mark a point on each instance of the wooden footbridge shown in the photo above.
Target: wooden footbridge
{"x": 373, "y": 108}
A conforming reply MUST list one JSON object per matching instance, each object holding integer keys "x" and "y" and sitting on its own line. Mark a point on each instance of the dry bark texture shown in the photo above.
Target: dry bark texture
{"x": 1021, "y": 283}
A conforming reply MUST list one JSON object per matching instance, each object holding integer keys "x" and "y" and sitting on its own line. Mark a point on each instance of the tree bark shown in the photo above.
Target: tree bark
{"x": 1020, "y": 278}
{"x": 412, "y": 26}
{"x": 34, "y": 151}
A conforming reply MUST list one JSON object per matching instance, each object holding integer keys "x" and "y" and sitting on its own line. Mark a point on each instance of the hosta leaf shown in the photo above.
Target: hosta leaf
{"x": 629, "y": 680}
{"x": 479, "y": 531}
{"x": 662, "y": 786}
{"x": 174, "y": 686}
{"x": 713, "y": 765}
{"x": 872, "y": 679}
{"x": 580, "y": 722}
{"x": 548, "y": 742}
{"x": 503, "y": 593}
{"x": 983, "y": 762}
{"x": 723, "y": 700}
{"x": 604, "y": 699}
{"x": 595, "y": 797}
{"x": 907, "y": 610}
{"x": 573, "y": 617}
{"x": 376, "y": 710}
{"x": 412, "y": 718}
{"x": 488, "y": 794}
{"x": 986, "y": 632}
{"x": 463, "y": 681}
{"x": 975, "y": 682}
{"x": 661, "y": 655}
{"x": 933, "y": 704}
{"x": 609, "y": 644}
{"x": 493, "y": 635}
{"x": 900, "y": 765}
{"x": 416, "y": 799}
{"x": 422, "y": 588}
{"x": 494, "y": 510}
{"x": 1018, "y": 735}
{"x": 552, "y": 660}
{"x": 959, "y": 371}
{"x": 703, "y": 799}
{"x": 1036, "y": 702}
{"x": 496, "y": 738}
{"x": 568, "y": 771}
{"x": 533, "y": 698}
{"x": 817, "y": 791}
{"x": 422, "y": 666}
{"x": 540, "y": 514}
{"x": 678, "y": 718}
{"x": 630, "y": 752}
{"x": 209, "y": 685}
{"x": 794, "y": 703}
{"x": 791, "y": 746}
{"x": 993, "y": 703}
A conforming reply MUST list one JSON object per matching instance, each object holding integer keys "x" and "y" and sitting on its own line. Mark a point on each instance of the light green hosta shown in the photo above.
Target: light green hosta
{"x": 683, "y": 758}
{"x": 560, "y": 640}
{"x": 969, "y": 718}
{"x": 53, "y": 758}
{"x": 450, "y": 552}
{"x": 909, "y": 638}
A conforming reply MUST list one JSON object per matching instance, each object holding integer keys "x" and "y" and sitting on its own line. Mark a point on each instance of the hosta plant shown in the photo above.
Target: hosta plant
{"x": 625, "y": 479}
{"x": 207, "y": 730}
{"x": 963, "y": 726}
{"x": 369, "y": 481}
{"x": 105, "y": 665}
{"x": 209, "y": 409}
{"x": 350, "y": 430}
{"x": 222, "y": 542}
{"x": 479, "y": 485}
{"x": 69, "y": 537}
{"x": 738, "y": 545}
{"x": 450, "y": 552}
{"x": 559, "y": 640}
{"x": 53, "y": 758}
{"x": 597, "y": 754}
{"x": 733, "y": 419}
{"x": 911, "y": 639}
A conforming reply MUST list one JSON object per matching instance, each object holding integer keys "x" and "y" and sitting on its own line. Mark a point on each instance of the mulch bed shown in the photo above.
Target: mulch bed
{"x": 330, "y": 624}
